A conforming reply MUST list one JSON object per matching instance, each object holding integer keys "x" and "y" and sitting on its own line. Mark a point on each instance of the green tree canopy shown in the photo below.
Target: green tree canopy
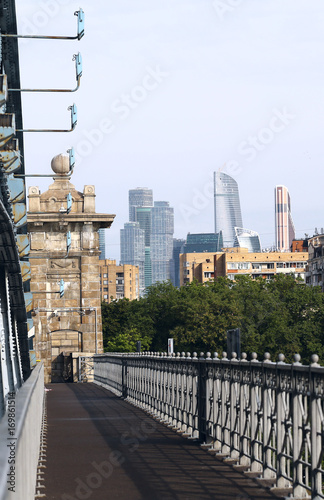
{"x": 280, "y": 316}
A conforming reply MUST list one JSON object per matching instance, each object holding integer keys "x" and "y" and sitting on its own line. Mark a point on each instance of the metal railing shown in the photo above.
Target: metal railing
{"x": 267, "y": 417}
{"x": 20, "y": 437}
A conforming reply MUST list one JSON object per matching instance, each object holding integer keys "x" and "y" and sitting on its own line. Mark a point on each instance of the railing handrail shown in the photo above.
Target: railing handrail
{"x": 267, "y": 416}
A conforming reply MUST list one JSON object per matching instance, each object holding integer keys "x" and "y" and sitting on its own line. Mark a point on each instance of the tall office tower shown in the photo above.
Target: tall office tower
{"x": 132, "y": 249}
{"x": 102, "y": 244}
{"x": 143, "y": 215}
{"x": 285, "y": 231}
{"x": 161, "y": 240}
{"x": 139, "y": 197}
{"x": 227, "y": 209}
{"x": 246, "y": 238}
{"x": 174, "y": 262}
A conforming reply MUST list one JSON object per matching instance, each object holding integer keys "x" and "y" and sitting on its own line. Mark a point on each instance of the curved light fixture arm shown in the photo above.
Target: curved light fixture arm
{"x": 74, "y": 121}
{"x": 78, "y": 68}
{"x": 79, "y": 35}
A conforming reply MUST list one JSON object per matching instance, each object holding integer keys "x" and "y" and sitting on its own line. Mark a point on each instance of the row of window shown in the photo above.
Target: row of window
{"x": 265, "y": 265}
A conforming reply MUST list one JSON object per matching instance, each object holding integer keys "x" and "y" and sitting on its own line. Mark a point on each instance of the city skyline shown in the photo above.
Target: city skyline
{"x": 200, "y": 91}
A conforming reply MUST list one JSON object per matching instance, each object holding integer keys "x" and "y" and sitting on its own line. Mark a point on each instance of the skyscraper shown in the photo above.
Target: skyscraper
{"x": 132, "y": 249}
{"x": 139, "y": 197}
{"x": 161, "y": 240}
{"x": 102, "y": 243}
{"x": 227, "y": 209}
{"x": 285, "y": 231}
{"x": 178, "y": 245}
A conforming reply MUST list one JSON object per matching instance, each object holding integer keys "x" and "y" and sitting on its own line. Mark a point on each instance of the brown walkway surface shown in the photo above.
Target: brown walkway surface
{"x": 101, "y": 447}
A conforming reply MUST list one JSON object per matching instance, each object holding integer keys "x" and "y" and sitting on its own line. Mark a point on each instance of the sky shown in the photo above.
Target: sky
{"x": 173, "y": 90}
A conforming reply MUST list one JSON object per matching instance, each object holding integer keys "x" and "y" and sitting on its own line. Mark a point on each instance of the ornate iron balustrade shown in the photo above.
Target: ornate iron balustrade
{"x": 266, "y": 417}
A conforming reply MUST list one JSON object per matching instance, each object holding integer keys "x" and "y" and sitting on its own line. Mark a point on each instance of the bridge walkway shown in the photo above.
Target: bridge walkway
{"x": 100, "y": 447}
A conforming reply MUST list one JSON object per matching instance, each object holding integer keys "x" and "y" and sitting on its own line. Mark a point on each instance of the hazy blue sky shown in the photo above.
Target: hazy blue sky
{"x": 173, "y": 90}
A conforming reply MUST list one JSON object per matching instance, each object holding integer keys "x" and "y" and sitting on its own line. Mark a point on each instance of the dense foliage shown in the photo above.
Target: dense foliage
{"x": 282, "y": 315}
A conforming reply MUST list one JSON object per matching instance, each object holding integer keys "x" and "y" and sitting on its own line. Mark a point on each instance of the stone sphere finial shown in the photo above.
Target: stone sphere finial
{"x": 61, "y": 164}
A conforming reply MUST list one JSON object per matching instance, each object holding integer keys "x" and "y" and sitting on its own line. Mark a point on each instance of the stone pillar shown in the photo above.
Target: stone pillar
{"x": 71, "y": 324}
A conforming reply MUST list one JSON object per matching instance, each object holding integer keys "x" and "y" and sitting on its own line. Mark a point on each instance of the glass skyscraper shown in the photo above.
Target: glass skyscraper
{"x": 161, "y": 240}
{"x": 102, "y": 243}
{"x": 139, "y": 197}
{"x": 203, "y": 242}
{"x": 227, "y": 209}
{"x": 285, "y": 231}
{"x": 245, "y": 238}
{"x": 147, "y": 240}
{"x": 178, "y": 245}
{"x": 132, "y": 249}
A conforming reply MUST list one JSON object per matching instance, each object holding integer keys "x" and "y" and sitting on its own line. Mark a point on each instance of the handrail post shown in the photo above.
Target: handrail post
{"x": 124, "y": 378}
{"x": 201, "y": 386}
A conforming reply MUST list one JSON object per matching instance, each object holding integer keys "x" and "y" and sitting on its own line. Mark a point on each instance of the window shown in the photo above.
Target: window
{"x": 238, "y": 265}
{"x": 105, "y": 296}
{"x": 207, "y": 274}
{"x": 270, "y": 265}
{"x": 105, "y": 282}
{"x": 105, "y": 275}
{"x": 256, "y": 266}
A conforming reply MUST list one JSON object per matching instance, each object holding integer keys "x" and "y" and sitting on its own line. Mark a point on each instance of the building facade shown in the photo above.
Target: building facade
{"x": 239, "y": 261}
{"x": 65, "y": 247}
{"x": 227, "y": 208}
{"x": 118, "y": 282}
{"x": 315, "y": 270}
{"x": 284, "y": 226}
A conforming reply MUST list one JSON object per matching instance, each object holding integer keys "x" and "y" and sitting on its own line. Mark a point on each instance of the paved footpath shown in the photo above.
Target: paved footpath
{"x": 100, "y": 447}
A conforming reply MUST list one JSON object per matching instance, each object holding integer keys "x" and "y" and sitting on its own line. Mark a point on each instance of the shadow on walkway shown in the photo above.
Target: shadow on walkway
{"x": 101, "y": 447}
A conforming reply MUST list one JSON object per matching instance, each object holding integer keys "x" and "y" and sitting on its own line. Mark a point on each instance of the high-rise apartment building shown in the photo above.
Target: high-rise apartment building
{"x": 132, "y": 245}
{"x": 161, "y": 240}
{"x": 227, "y": 209}
{"x": 139, "y": 197}
{"x": 285, "y": 231}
